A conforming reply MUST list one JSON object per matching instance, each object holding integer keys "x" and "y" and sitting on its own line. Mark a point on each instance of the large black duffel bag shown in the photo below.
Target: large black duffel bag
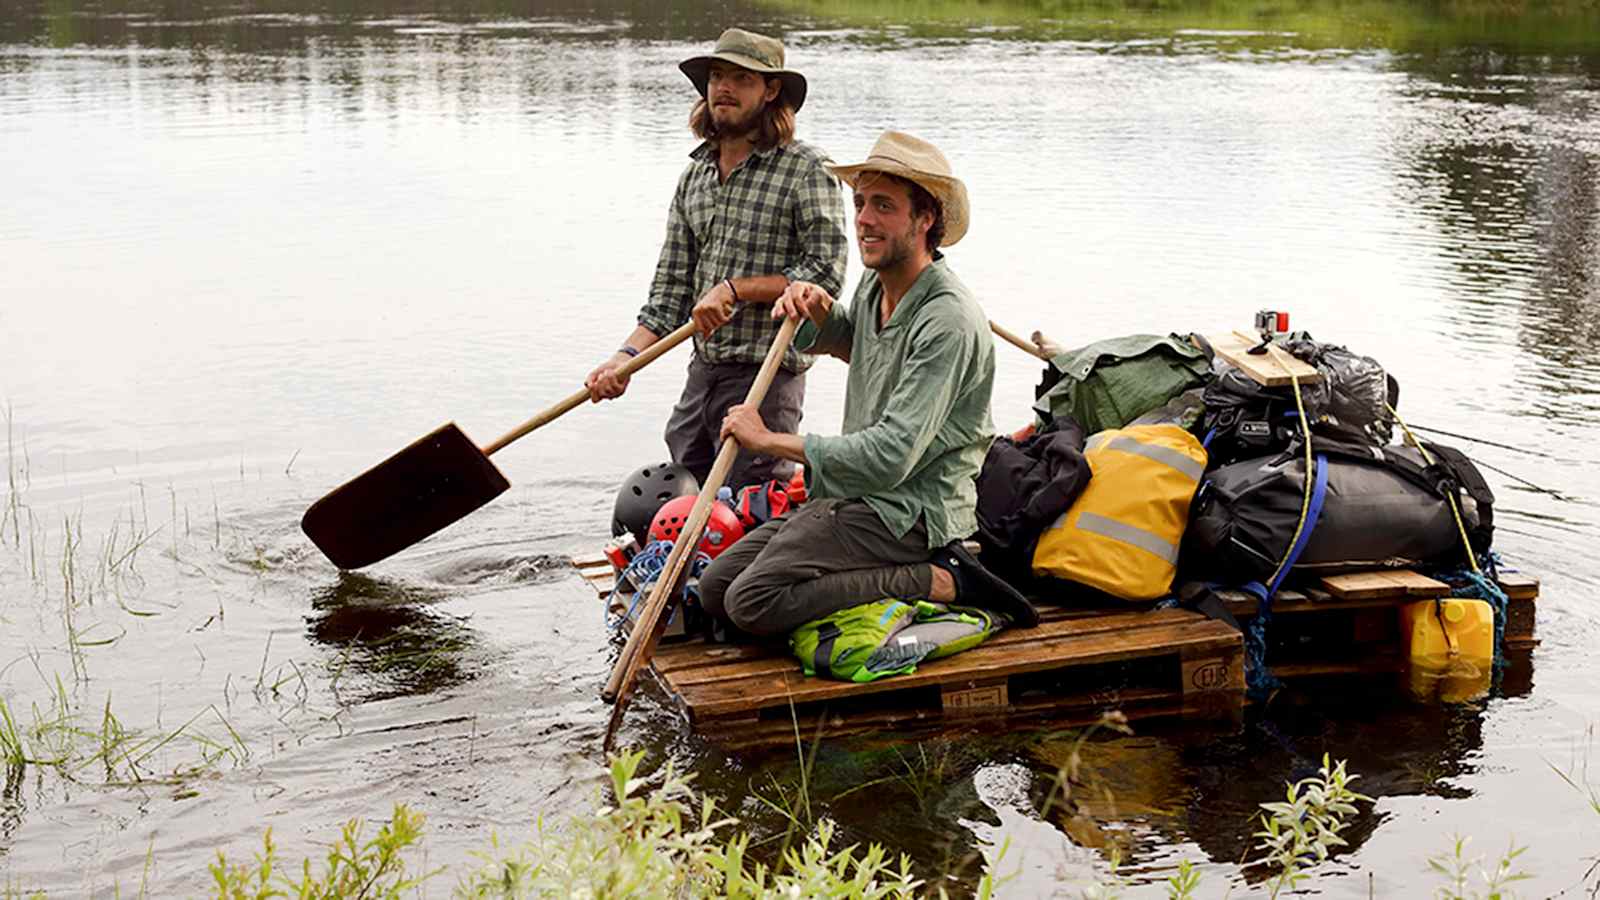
{"x": 1382, "y": 506}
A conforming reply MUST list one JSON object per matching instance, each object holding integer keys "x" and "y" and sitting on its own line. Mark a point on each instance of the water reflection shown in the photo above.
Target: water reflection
{"x": 1503, "y": 159}
{"x": 388, "y": 642}
{"x": 1161, "y": 788}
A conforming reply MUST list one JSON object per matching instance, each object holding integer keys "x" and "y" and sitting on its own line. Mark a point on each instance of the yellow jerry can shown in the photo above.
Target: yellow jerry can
{"x": 1450, "y": 643}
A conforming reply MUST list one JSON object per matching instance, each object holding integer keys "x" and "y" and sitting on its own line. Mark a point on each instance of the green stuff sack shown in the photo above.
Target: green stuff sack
{"x": 1110, "y": 383}
{"x": 889, "y": 637}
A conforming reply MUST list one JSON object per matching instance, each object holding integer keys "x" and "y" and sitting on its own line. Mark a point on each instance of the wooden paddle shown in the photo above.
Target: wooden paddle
{"x": 1024, "y": 345}
{"x": 430, "y": 484}
{"x": 646, "y": 632}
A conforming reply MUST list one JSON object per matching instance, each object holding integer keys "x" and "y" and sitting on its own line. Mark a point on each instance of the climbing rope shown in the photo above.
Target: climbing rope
{"x": 1305, "y": 500}
{"x": 1259, "y": 680}
{"x": 642, "y": 572}
{"x": 1469, "y": 583}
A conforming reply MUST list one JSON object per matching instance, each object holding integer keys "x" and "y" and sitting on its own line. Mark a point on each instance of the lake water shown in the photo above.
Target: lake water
{"x": 249, "y": 249}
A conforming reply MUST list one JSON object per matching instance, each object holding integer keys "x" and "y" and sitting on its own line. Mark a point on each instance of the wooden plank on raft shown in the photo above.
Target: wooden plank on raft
{"x": 895, "y": 723}
{"x": 1268, "y": 369}
{"x": 1386, "y": 584}
{"x": 779, "y": 682}
{"x": 1519, "y": 586}
{"x": 596, "y": 571}
{"x": 756, "y": 660}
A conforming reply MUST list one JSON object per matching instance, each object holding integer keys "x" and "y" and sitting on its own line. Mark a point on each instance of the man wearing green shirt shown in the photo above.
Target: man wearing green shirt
{"x": 894, "y": 494}
{"x": 755, "y": 210}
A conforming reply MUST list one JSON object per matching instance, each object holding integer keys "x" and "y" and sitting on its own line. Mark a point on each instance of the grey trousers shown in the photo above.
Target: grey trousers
{"x": 696, "y": 422}
{"x": 825, "y": 556}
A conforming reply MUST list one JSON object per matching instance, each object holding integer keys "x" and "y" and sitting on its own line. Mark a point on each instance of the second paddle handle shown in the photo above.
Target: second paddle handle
{"x": 647, "y": 631}
{"x": 645, "y": 358}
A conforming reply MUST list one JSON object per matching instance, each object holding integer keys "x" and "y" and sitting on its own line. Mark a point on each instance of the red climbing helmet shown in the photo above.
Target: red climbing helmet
{"x": 722, "y": 528}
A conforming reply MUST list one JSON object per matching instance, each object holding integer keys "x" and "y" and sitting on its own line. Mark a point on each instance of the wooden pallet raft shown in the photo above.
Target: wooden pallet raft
{"x": 1072, "y": 667}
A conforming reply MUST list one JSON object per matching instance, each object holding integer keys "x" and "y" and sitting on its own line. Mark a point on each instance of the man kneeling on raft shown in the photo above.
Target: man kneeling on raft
{"x": 894, "y": 494}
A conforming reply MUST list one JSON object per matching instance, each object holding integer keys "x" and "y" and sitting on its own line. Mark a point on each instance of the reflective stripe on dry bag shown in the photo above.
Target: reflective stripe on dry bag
{"x": 1122, "y": 533}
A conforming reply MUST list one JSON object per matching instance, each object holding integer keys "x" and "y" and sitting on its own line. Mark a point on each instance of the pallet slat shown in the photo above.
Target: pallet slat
{"x": 1519, "y": 586}
{"x": 775, "y": 688}
{"x": 760, "y": 659}
{"x": 1374, "y": 585}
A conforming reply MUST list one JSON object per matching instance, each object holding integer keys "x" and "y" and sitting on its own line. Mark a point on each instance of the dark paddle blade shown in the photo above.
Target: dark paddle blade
{"x": 405, "y": 498}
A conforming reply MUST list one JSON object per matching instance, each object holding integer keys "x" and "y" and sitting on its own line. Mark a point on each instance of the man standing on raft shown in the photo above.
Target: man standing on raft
{"x": 894, "y": 494}
{"x": 754, "y": 211}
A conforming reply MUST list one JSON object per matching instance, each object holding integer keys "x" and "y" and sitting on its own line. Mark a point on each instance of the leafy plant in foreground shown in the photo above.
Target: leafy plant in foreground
{"x": 354, "y": 868}
{"x": 1456, "y": 868}
{"x": 667, "y": 842}
{"x": 1304, "y": 830}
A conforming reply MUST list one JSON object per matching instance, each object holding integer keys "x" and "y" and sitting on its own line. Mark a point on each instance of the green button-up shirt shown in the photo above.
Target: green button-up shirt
{"x": 779, "y": 211}
{"x": 916, "y": 405}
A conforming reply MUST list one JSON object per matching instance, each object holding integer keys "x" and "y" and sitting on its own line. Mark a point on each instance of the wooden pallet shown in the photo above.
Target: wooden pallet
{"x": 1075, "y": 665}
{"x": 1072, "y": 667}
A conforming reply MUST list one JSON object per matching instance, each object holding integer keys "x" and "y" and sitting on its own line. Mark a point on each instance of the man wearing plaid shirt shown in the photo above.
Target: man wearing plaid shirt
{"x": 754, "y": 211}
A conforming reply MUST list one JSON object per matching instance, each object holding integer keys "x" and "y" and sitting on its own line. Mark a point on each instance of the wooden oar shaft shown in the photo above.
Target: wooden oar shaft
{"x": 644, "y": 358}
{"x": 1026, "y": 346}
{"x": 647, "y": 631}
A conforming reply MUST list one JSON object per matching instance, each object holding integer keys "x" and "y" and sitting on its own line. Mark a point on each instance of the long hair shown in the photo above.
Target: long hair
{"x": 776, "y": 128}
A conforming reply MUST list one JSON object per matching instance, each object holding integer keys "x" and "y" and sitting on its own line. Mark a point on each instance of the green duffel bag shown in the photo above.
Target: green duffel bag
{"x": 1110, "y": 383}
{"x": 889, "y": 637}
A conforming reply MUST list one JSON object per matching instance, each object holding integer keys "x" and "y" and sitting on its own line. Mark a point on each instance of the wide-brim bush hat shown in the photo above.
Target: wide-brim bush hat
{"x": 752, "y": 51}
{"x": 914, "y": 159}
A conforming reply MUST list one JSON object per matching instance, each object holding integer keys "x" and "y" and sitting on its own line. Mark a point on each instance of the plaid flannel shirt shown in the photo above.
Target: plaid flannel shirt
{"x": 779, "y": 211}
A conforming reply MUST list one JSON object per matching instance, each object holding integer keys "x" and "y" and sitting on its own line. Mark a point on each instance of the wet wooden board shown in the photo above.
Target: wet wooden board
{"x": 1268, "y": 369}
{"x": 1519, "y": 586}
{"x": 895, "y": 723}
{"x": 722, "y": 687}
{"x": 1398, "y": 583}
{"x": 597, "y": 571}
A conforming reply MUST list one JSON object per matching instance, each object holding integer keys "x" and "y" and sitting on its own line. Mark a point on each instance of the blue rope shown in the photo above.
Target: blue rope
{"x": 1259, "y": 680}
{"x": 642, "y": 572}
{"x": 1475, "y": 585}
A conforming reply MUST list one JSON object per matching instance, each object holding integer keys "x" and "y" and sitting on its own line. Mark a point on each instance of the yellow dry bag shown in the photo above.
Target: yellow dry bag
{"x": 1121, "y": 535}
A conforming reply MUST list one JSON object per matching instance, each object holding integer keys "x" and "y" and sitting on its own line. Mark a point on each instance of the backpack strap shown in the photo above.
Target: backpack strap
{"x": 822, "y": 657}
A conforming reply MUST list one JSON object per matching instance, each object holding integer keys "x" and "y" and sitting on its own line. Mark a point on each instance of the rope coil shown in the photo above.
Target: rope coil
{"x": 642, "y": 572}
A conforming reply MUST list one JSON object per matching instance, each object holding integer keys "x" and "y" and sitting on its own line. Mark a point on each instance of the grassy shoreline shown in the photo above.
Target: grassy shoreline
{"x": 1566, "y": 26}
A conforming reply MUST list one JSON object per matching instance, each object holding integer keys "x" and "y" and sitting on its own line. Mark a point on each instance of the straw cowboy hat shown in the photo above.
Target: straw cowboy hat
{"x": 914, "y": 159}
{"x": 752, "y": 51}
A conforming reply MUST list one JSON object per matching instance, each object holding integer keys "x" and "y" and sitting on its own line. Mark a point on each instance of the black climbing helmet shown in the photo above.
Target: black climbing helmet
{"x": 645, "y": 491}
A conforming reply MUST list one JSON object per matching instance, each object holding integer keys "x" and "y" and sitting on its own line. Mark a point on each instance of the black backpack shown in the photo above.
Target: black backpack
{"x": 1246, "y": 420}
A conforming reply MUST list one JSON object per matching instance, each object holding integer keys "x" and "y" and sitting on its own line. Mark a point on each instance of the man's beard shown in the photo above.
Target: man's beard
{"x": 896, "y": 249}
{"x": 744, "y": 125}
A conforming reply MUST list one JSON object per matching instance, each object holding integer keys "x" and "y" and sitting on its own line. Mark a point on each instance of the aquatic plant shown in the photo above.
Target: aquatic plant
{"x": 1184, "y": 882}
{"x": 1304, "y": 829}
{"x": 1457, "y": 868}
{"x": 60, "y": 739}
{"x": 374, "y": 868}
{"x": 669, "y": 842}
